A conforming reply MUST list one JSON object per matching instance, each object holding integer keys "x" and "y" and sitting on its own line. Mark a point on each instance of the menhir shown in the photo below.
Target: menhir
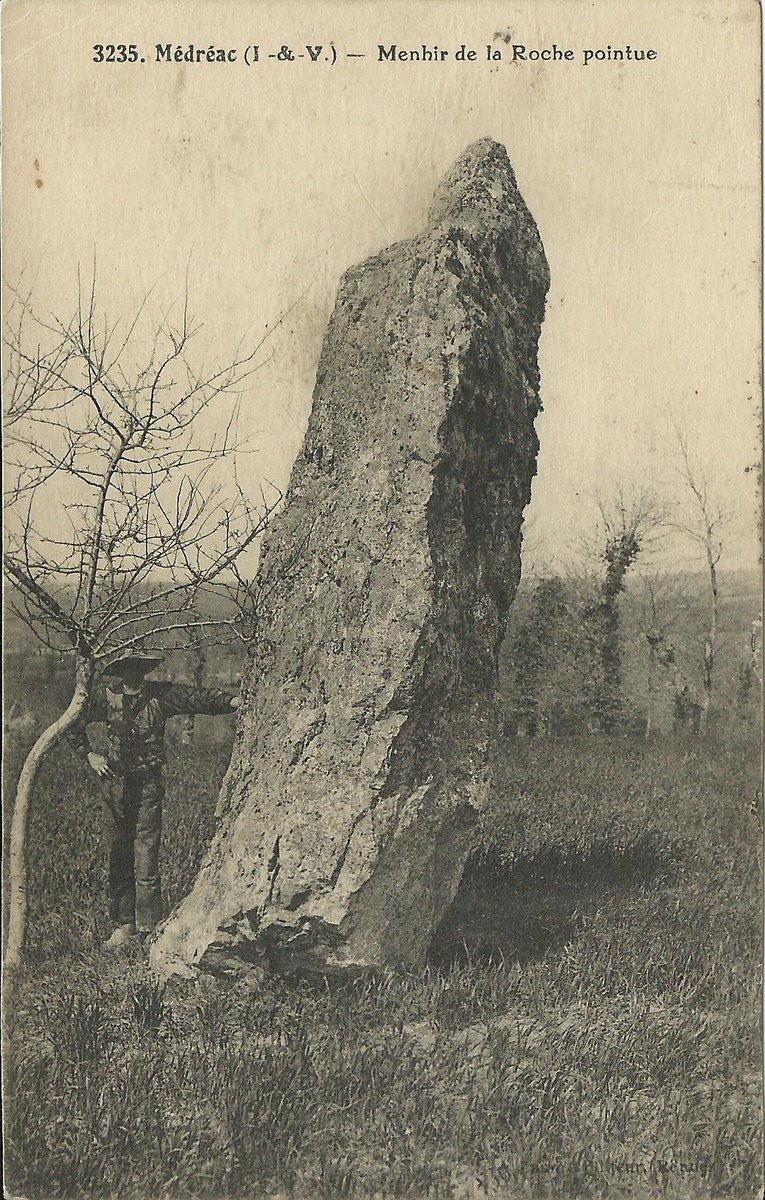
{"x": 364, "y": 748}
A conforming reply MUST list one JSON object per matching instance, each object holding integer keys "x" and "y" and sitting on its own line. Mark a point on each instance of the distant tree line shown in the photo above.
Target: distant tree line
{"x": 564, "y": 656}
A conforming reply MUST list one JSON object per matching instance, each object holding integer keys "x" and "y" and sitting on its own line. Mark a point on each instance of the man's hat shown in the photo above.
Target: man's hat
{"x": 130, "y": 661}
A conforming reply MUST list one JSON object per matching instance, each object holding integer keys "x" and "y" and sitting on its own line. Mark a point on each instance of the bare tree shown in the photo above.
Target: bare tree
{"x": 704, "y": 520}
{"x": 661, "y": 600}
{"x": 122, "y": 516}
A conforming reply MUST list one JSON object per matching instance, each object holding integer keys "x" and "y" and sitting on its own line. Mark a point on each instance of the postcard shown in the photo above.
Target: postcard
{"x": 382, "y": 590}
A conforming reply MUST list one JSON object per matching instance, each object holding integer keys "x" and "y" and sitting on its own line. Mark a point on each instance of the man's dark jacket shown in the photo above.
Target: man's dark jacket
{"x": 135, "y": 723}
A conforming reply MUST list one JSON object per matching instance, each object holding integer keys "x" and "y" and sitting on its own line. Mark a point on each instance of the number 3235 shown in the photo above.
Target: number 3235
{"x": 115, "y": 54}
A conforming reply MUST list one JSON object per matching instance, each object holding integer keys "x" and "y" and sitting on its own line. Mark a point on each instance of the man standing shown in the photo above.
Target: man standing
{"x": 135, "y": 710}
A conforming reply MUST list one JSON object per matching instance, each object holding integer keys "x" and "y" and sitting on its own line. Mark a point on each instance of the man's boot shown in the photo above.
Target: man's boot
{"x": 123, "y": 935}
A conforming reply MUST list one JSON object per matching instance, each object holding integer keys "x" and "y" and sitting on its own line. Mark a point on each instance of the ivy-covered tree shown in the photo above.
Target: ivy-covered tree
{"x": 626, "y": 525}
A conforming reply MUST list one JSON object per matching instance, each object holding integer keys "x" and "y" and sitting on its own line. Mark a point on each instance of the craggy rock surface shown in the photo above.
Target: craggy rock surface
{"x": 362, "y": 755}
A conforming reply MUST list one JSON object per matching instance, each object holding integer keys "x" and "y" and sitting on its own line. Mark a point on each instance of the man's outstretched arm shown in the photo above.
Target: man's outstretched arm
{"x": 180, "y": 699}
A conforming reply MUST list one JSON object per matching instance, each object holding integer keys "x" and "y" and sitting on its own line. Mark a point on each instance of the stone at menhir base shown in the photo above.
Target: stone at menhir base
{"x": 363, "y": 753}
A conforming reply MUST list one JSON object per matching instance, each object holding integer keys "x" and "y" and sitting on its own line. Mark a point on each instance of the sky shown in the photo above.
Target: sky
{"x": 267, "y": 181}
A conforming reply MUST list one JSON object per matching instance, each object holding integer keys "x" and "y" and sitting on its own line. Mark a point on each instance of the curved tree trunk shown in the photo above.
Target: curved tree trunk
{"x": 17, "y": 849}
{"x": 710, "y": 641}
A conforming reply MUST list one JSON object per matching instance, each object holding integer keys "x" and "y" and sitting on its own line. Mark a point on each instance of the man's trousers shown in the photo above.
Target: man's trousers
{"x": 133, "y": 812}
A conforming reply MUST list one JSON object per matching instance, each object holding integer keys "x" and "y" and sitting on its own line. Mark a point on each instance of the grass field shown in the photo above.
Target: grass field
{"x": 588, "y": 1025}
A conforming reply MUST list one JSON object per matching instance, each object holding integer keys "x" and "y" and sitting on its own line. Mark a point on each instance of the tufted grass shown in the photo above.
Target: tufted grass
{"x": 587, "y": 1025}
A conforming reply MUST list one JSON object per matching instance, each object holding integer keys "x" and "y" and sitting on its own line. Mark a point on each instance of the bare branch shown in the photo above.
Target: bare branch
{"x": 119, "y": 524}
{"x": 44, "y": 603}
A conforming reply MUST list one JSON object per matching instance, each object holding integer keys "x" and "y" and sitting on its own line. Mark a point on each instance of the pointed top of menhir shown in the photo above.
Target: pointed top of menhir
{"x": 481, "y": 177}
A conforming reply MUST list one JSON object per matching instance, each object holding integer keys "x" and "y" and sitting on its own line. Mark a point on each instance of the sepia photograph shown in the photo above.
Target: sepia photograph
{"x": 382, "y": 600}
